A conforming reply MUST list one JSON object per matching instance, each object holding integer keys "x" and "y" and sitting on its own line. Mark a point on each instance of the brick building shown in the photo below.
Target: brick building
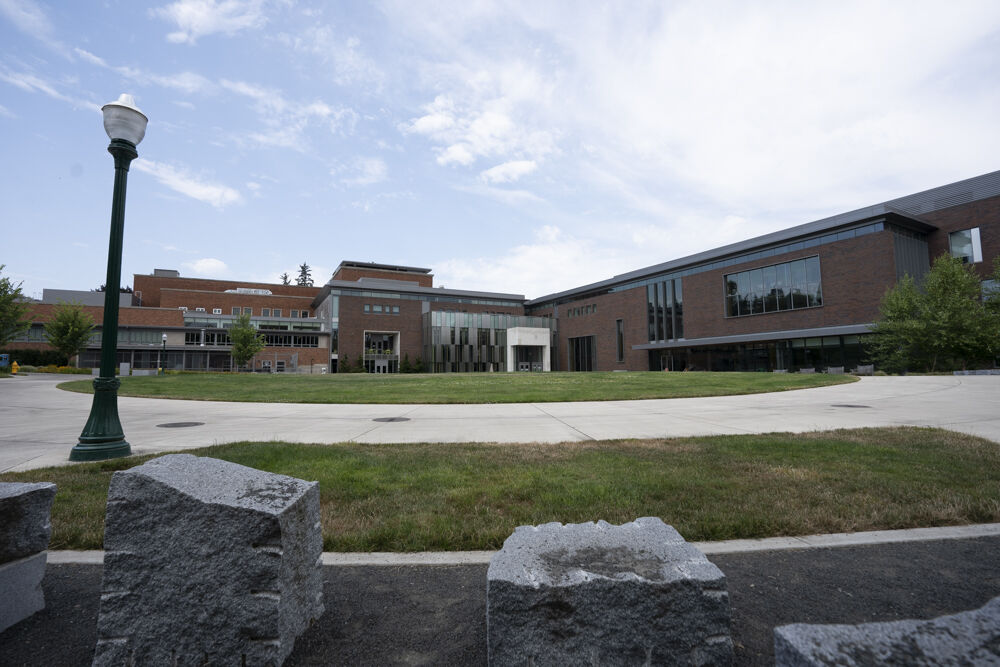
{"x": 798, "y": 298}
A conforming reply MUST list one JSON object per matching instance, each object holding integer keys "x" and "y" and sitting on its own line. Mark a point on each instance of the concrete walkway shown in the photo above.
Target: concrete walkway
{"x": 39, "y": 424}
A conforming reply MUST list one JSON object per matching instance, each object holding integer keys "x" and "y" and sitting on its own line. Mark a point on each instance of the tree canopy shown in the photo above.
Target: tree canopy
{"x": 285, "y": 280}
{"x": 245, "y": 339}
{"x": 13, "y": 310}
{"x": 948, "y": 321}
{"x": 305, "y": 276}
{"x": 69, "y": 329}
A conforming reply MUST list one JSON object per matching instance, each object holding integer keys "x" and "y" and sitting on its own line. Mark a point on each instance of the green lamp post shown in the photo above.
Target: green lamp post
{"x": 103, "y": 437}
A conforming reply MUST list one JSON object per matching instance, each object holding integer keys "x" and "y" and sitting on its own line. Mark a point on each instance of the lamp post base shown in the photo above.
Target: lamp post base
{"x": 100, "y": 451}
{"x": 102, "y": 437}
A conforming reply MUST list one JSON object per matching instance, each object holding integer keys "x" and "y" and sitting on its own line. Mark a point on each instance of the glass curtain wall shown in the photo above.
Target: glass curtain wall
{"x": 471, "y": 342}
{"x": 665, "y": 305}
{"x": 769, "y": 289}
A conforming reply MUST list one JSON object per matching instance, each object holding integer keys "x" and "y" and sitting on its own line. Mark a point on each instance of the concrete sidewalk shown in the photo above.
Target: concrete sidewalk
{"x": 39, "y": 424}
{"x": 436, "y": 615}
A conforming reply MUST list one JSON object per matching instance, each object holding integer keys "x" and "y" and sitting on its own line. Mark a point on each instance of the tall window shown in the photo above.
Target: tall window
{"x": 582, "y": 354}
{"x": 620, "y": 339}
{"x": 771, "y": 289}
{"x": 966, "y": 245}
{"x": 665, "y": 305}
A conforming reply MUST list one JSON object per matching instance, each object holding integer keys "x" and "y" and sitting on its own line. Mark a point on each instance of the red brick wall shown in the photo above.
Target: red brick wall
{"x": 151, "y": 286}
{"x": 128, "y": 315}
{"x": 855, "y": 273}
{"x": 628, "y": 306}
{"x": 354, "y": 322}
{"x": 352, "y": 274}
{"x": 192, "y": 299}
{"x": 984, "y": 214}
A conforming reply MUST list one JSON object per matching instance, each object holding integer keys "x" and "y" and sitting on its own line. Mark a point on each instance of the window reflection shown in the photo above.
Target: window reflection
{"x": 770, "y": 289}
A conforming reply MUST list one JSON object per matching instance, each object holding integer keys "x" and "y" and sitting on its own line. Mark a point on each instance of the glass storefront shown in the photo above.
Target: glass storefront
{"x": 784, "y": 355}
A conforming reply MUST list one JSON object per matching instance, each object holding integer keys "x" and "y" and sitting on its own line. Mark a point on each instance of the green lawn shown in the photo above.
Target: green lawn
{"x": 457, "y": 387}
{"x": 457, "y": 497}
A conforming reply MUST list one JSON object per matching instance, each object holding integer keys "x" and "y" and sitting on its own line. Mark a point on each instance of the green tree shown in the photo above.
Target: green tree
{"x": 69, "y": 329}
{"x": 418, "y": 365}
{"x": 285, "y": 280}
{"x": 404, "y": 365}
{"x": 941, "y": 324}
{"x": 305, "y": 276}
{"x": 13, "y": 310}
{"x": 245, "y": 339}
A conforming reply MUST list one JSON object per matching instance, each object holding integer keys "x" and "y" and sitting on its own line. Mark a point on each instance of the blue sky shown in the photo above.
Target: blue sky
{"x": 517, "y": 147}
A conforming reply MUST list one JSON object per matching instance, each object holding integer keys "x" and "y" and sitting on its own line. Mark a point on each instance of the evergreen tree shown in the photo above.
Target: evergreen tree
{"x": 305, "y": 276}
{"x": 69, "y": 330}
{"x": 13, "y": 311}
{"x": 245, "y": 339}
{"x": 404, "y": 365}
{"x": 285, "y": 280}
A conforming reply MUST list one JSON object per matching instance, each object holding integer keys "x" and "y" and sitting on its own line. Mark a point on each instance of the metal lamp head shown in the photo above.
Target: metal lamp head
{"x": 123, "y": 120}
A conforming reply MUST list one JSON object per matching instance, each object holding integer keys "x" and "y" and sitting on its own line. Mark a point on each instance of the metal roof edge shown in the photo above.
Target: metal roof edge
{"x": 840, "y": 330}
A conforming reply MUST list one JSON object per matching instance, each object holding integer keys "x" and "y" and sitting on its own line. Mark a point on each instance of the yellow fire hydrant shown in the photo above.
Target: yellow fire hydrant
{"x": 13, "y": 368}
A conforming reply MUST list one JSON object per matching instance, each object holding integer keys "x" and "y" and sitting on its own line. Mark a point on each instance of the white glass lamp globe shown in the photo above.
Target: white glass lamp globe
{"x": 123, "y": 120}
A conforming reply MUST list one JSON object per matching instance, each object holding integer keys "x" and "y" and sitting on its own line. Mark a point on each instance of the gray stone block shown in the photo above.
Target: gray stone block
{"x": 968, "y": 638}
{"x": 207, "y": 562}
{"x": 21, "y": 589}
{"x": 635, "y": 594}
{"x": 25, "y": 510}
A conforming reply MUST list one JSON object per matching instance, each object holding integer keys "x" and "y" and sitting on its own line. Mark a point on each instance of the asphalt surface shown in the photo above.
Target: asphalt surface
{"x": 39, "y": 424}
{"x": 436, "y": 615}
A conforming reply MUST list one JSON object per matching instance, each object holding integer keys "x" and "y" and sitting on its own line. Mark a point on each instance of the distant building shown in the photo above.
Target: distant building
{"x": 799, "y": 298}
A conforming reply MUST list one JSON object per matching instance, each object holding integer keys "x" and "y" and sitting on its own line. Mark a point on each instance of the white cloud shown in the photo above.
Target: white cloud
{"x": 90, "y": 57}
{"x": 363, "y": 171}
{"x": 208, "y": 267}
{"x": 4, "y": 111}
{"x": 198, "y": 18}
{"x": 287, "y": 121}
{"x": 30, "y": 19}
{"x": 508, "y": 172}
{"x": 342, "y": 55}
{"x": 553, "y": 261}
{"x": 803, "y": 107}
{"x": 479, "y": 126}
{"x": 35, "y": 84}
{"x": 179, "y": 180}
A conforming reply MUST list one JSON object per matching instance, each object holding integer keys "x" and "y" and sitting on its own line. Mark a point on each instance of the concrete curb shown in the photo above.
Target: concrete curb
{"x": 709, "y": 548}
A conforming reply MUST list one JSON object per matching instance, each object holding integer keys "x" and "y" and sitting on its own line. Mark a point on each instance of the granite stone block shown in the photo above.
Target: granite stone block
{"x": 968, "y": 638}
{"x": 25, "y": 510}
{"x": 207, "y": 562}
{"x": 596, "y": 593}
{"x": 21, "y": 589}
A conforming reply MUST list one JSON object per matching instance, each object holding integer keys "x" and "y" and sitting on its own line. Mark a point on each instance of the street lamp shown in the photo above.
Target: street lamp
{"x": 103, "y": 437}
{"x": 163, "y": 371}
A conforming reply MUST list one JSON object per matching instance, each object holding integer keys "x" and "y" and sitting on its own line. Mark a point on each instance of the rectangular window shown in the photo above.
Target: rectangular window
{"x": 216, "y": 311}
{"x": 377, "y": 308}
{"x": 182, "y": 307}
{"x": 395, "y": 310}
{"x": 966, "y": 245}
{"x": 199, "y": 310}
{"x": 772, "y": 289}
{"x": 305, "y": 313}
{"x": 265, "y": 312}
{"x": 247, "y": 311}
{"x": 620, "y": 336}
{"x": 276, "y": 312}
{"x": 368, "y": 309}
{"x": 236, "y": 310}
{"x": 295, "y": 313}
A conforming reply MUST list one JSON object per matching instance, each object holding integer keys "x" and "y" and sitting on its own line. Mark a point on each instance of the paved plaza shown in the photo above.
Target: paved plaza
{"x": 39, "y": 423}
